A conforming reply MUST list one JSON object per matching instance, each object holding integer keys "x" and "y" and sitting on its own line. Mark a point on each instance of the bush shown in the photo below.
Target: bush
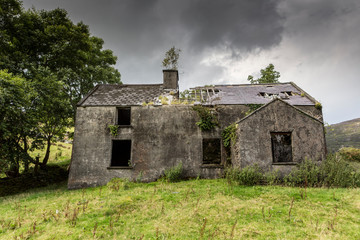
{"x": 174, "y": 174}
{"x": 350, "y": 154}
{"x": 334, "y": 171}
{"x": 307, "y": 174}
{"x": 250, "y": 175}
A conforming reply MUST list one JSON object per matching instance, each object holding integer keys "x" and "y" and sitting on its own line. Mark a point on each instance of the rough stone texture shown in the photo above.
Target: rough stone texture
{"x": 253, "y": 144}
{"x": 162, "y": 137}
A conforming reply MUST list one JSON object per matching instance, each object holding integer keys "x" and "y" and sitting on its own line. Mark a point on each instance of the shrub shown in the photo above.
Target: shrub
{"x": 174, "y": 174}
{"x": 350, "y": 154}
{"x": 272, "y": 177}
{"x": 250, "y": 175}
{"x": 208, "y": 119}
{"x": 336, "y": 172}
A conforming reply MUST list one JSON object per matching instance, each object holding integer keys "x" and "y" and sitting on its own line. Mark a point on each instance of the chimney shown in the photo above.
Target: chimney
{"x": 171, "y": 79}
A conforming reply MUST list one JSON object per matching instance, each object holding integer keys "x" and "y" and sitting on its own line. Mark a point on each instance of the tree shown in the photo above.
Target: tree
{"x": 50, "y": 39}
{"x": 268, "y": 75}
{"x": 171, "y": 59}
{"x": 15, "y": 122}
{"x": 57, "y": 63}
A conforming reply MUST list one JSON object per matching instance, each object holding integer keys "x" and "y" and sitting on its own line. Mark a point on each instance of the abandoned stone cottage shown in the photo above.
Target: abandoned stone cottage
{"x": 155, "y": 134}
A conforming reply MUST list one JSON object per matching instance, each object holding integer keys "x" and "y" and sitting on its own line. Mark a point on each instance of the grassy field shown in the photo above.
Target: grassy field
{"x": 195, "y": 209}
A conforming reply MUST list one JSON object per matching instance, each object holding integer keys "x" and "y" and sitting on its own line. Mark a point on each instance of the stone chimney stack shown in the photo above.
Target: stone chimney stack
{"x": 171, "y": 79}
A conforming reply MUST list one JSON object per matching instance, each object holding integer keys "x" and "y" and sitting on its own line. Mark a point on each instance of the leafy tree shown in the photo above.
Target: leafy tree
{"x": 15, "y": 122}
{"x": 171, "y": 59}
{"x": 57, "y": 62}
{"x": 268, "y": 75}
{"x": 50, "y": 39}
{"x": 52, "y": 109}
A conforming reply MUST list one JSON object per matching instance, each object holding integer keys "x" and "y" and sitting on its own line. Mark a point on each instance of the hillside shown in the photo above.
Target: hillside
{"x": 344, "y": 134}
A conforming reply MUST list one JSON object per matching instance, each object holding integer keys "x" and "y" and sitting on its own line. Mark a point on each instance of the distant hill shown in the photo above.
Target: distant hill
{"x": 344, "y": 134}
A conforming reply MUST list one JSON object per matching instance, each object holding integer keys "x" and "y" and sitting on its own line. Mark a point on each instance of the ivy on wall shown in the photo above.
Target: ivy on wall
{"x": 208, "y": 119}
{"x": 229, "y": 135}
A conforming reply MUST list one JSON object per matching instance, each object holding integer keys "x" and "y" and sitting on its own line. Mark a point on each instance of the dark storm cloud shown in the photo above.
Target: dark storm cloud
{"x": 240, "y": 25}
{"x": 146, "y": 25}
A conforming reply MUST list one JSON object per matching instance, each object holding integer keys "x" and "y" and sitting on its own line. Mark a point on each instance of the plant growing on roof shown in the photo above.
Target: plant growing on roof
{"x": 318, "y": 106}
{"x": 170, "y": 61}
{"x": 208, "y": 119}
{"x": 252, "y": 108}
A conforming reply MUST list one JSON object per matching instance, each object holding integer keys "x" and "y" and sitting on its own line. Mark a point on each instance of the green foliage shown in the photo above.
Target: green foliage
{"x": 229, "y": 135}
{"x": 249, "y": 175}
{"x": 174, "y": 174}
{"x": 268, "y": 75}
{"x": 113, "y": 130}
{"x": 350, "y": 154}
{"x": 49, "y": 39}
{"x": 208, "y": 119}
{"x": 307, "y": 174}
{"x": 318, "y": 106}
{"x": 17, "y": 120}
{"x": 171, "y": 59}
{"x": 334, "y": 171}
{"x": 252, "y": 108}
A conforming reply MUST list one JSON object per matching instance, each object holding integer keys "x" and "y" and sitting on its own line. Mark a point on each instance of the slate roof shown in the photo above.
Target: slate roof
{"x": 256, "y": 94}
{"x": 118, "y": 95}
{"x": 130, "y": 95}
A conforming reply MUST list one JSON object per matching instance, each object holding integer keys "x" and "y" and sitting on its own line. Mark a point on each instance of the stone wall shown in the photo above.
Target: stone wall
{"x": 161, "y": 136}
{"x": 253, "y": 144}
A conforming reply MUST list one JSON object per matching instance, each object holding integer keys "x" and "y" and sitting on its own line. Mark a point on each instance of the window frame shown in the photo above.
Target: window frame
{"x": 111, "y": 166}
{"x": 118, "y": 110}
{"x": 290, "y": 133}
{"x": 209, "y": 165}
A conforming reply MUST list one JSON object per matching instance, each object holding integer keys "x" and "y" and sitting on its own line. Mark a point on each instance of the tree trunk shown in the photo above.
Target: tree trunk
{"x": 47, "y": 154}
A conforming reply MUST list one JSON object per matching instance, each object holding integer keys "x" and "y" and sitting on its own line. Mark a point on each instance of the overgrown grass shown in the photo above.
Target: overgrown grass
{"x": 196, "y": 209}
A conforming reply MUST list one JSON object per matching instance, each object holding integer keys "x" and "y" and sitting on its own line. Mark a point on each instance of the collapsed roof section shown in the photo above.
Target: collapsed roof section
{"x": 250, "y": 94}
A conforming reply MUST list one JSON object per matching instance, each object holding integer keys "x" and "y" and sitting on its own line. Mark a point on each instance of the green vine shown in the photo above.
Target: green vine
{"x": 113, "y": 130}
{"x": 229, "y": 135}
{"x": 252, "y": 108}
{"x": 208, "y": 119}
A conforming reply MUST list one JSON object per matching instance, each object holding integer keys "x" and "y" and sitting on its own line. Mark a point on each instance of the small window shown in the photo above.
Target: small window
{"x": 211, "y": 151}
{"x": 281, "y": 147}
{"x": 123, "y": 117}
{"x": 121, "y": 153}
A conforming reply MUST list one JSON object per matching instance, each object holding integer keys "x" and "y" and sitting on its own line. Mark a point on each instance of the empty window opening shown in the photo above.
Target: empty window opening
{"x": 211, "y": 151}
{"x": 268, "y": 95}
{"x": 281, "y": 147}
{"x": 121, "y": 153}
{"x": 123, "y": 117}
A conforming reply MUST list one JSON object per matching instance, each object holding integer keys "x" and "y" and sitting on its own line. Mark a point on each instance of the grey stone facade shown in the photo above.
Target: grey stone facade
{"x": 160, "y": 134}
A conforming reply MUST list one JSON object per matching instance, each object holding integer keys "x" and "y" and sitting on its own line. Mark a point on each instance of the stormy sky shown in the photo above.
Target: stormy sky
{"x": 314, "y": 43}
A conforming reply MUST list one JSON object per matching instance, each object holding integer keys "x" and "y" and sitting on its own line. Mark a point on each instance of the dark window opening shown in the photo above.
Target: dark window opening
{"x": 211, "y": 151}
{"x": 121, "y": 153}
{"x": 123, "y": 116}
{"x": 281, "y": 147}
